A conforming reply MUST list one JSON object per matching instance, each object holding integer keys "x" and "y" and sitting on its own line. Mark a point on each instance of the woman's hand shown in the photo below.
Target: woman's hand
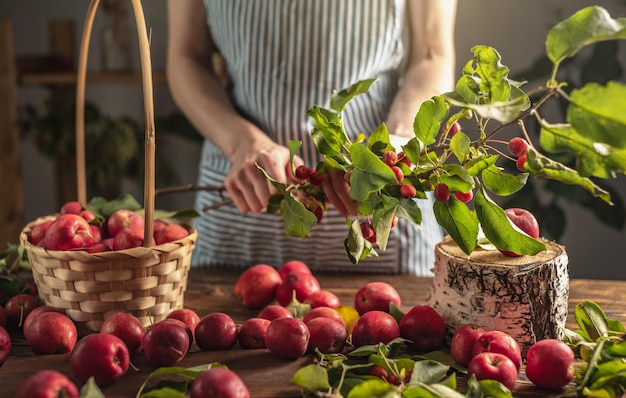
{"x": 337, "y": 190}
{"x": 246, "y": 185}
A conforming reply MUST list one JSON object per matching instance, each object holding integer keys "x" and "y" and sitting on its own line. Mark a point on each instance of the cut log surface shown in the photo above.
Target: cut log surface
{"x": 525, "y": 296}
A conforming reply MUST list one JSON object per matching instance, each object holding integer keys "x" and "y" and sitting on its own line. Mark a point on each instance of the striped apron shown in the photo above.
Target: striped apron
{"x": 282, "y": 57}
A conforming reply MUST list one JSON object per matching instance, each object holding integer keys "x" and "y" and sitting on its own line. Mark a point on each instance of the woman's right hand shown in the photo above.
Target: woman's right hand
{"x": 246, "y": 185}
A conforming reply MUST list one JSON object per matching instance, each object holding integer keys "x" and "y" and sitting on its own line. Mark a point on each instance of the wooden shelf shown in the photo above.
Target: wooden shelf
{"x": 69, "y": 78}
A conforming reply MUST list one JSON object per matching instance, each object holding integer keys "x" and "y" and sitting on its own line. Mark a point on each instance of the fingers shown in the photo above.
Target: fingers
{"x": 337, "y": 190}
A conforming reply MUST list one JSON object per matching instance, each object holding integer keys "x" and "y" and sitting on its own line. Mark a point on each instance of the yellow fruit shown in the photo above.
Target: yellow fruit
{"x": 349, "y": 315}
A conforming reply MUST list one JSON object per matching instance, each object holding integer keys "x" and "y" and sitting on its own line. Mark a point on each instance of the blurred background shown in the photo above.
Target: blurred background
{"x": 44, "y": 37}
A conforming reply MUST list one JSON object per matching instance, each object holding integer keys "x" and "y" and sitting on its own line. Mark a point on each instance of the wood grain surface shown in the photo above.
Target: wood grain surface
{"x": 211, "y": 290}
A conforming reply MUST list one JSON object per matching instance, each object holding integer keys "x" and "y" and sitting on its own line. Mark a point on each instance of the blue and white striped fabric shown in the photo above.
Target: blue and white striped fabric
{"x": 282, "y": 57}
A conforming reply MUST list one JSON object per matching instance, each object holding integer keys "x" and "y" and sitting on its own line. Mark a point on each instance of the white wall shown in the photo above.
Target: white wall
{"x": 517, "y": 29}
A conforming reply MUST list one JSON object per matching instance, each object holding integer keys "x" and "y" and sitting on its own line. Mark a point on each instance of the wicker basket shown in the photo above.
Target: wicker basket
{"x": 149, "y": 281}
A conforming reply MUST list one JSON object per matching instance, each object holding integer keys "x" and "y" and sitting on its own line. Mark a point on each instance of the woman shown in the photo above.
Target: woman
{"x": 282, "y": 57}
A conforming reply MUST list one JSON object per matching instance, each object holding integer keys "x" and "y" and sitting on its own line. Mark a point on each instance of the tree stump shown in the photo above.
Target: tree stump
{"x": 525, "y": 296}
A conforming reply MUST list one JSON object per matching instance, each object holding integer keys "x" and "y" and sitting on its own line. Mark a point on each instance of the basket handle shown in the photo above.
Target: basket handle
{"x": 148, "y": 101}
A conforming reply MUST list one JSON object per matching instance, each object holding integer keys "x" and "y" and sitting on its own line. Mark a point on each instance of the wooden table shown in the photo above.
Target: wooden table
{"x": 211, "y": 290}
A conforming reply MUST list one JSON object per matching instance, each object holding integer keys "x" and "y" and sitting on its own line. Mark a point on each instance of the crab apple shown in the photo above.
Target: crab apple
{"x": 5, "y": 345}
{"x": 186, "y": 315}
{"x": 462, "y": 343}
{"x": 256, "y": 286}
{"x": 316, "y": 178}
{"x": 374, "y": 327}
{"x": 376, "y": 296}
{"x": 218, "y": 383}
{"x": 499, "y": 342}
{"x": 517, "y": 146}
{"x": 493, "y": 366}
{"x": 18, "y": 307}
{"x": 424, "y": 327}
{"x": 323, "y": 298}
{"x": 128, "y": 328}
{"x": 36, "y": 312}
{"x": 303, "y": 172}
{"x": 525, "y": 221}
{"x": 399, "y": 174}
{"x": 292, "y": 265}
{"x": 408, "y": 191}
{"x": 47, "y": 384}
{"x": 274, "y": 311}
{"x": 170, "y": 233}
{"x": 287, "y": 338}
{"x": 252, "y": 333}
{"x": 464, "y": 196}
{"x": 519, "y": 163}
{"x": 38, "y": 232}
{"x": 367, "y": 229}
{"x": 403, "y": 159}
{"x": 550, "y": 364}
{"x": 216, "y": 331}
{"x": 51, "y": 333}
{"x": 88, "y": 215}
{"x": 102, "y": 356}
{"x": 301, "y": 282}
{"x": 442, "y": 192}
{"x": 166, "y": 343}
{"x": 328, "y": 336}
{"x": 319, "y": 213}
{"x": 71, "y": 207}
{"x": 390, "y": 158}
{"x": 324, "y": 312}
{"x": 122, "y": 219}
{"x": 454, "y": 128}
{"x": 68, "y": 231}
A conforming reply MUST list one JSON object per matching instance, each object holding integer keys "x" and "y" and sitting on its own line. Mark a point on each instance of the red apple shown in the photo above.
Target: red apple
{"x": 550, "y": 364}
{"x": 493, "y": 366}
{"x": 325, "y": 312}
{"x": 87, "y": 215}
{"x": 218, "y": 383}
{"x": 274, "y": 311}
{"x": 130, "y": 237}
{"x": 525, "y": 221}
{"x": 166, "y": 343}
{"x": 287, "y": 338}
{"x": 500, "y": 342}
{"x": 323, "y": 298}
{"x": 170, "y": 233}
{"x": 51, "y": 333}
{"x": 374, "y": 327}
{"x": 376, "y": 296}
{"x": 328, "y": 336}
{"x": 38, "y": 232}
{"x": 128, "y": 328}
{"x": 292, "y": 265}
{"x": 216, "y": 331}
{"x": 301, "y": 282}
{"x": 186, "y": 315}
{"x": 5, "y": 345}
{"x": 71, "y": 207}
{"x": 47, "y": 384}
{"x": 252, "y": 333}
{"x": 102, "y": 356}
{"x": 122, "y": 219}
{"x": 424, "y": 327}
{"x": 37, "y": 311}
{"x": 184, "y": 326}
{"x": 18, "y": 307}
{"x": 517, "y": 146}
{"x": 462, "y": 343}
{"x": 256, "y": 286}
{"x": 68, "y": 231}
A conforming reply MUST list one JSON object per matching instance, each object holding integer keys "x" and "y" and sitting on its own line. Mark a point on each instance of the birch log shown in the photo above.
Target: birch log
{"x": 525, "y": 296}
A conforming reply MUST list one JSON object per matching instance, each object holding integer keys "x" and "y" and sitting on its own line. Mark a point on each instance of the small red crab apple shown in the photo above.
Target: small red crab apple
{"x": 517, "y": 146}
{"x": 367, "y": 229}
{"x": 442, "y": 192}
{"x": 455, "y": 128}
{"x": 520, "y": 163}
{"x": 399, "y": 174}
{"x": 390, "y": 158}
{"x": 303, "y": 172}
{"x": 408, "y": 191}
{"x": 464, "y": 196}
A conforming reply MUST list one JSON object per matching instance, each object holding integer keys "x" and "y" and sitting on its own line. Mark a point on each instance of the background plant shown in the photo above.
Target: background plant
{"x": 593, "y": 133}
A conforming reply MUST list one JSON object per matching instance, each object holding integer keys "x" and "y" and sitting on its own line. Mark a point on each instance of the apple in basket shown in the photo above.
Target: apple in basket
{"x": 67, "y": 232}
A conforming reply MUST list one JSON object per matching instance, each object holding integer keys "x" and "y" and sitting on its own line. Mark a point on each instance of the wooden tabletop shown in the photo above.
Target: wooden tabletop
{"x": 211, "y": 290}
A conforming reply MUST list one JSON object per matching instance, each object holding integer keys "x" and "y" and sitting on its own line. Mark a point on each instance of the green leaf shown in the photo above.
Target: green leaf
{"x": 298, "y": 220}
{"x": 539, "y": 165}
{"x": 502, "y": 111}
{"x": 500, "y": 231}
{"x": 427, "y": 371}
{"x": 428, "y": 119}
{"x": 382, "y": 218}
{"x": 164, "y": 392}
{"x": 312, "y": 378}
{"x": 378, "y": 142}
{"x": 587, "y": 26}
{"x": 409, "y": 210}
{"x": 373, "y": 388}
{"x": 591, "y": 319}
{"x": 105, "y": 208}
{"x": 370, "y": 174}
{"x": 328, "y": 133}
{"x": 476, "y": 166}
{"x": 494, "y": 85}
{"x": 91, "y": 390}
{"x": 395, "y": 311}
{"x": 460, "y": 146}
{"x": 340, "y": 99}
{"x": 459, "y": 222}
{"x": 503, "y": 184}
{"x": 356, "y": 246}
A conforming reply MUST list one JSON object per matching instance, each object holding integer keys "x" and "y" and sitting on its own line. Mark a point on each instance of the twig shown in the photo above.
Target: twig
{"x": 196, "y": 188}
